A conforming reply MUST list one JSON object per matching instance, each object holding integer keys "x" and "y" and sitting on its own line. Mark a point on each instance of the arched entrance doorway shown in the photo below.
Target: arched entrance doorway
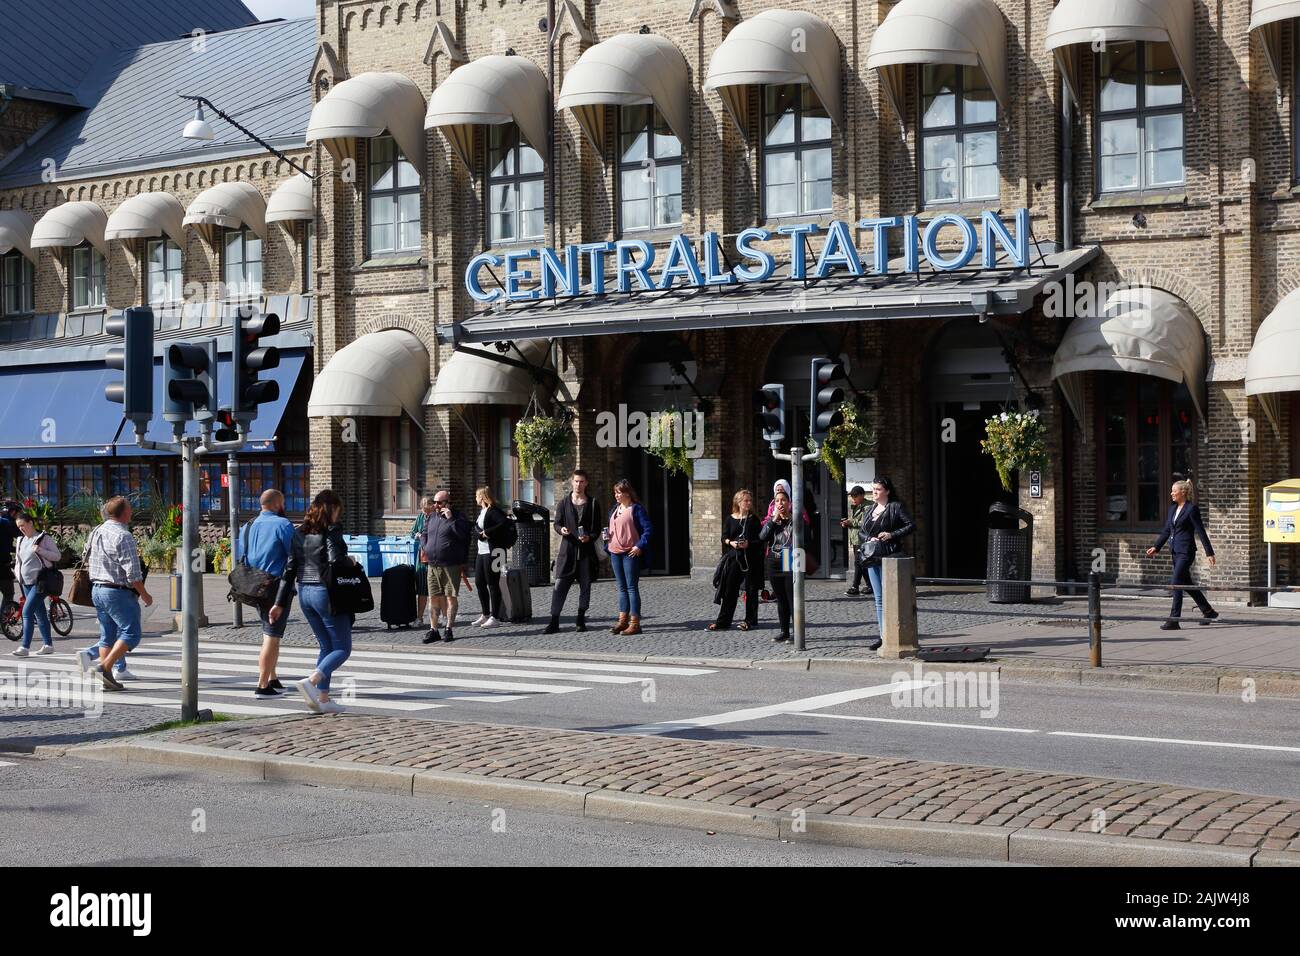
{"x": 968, "y": 381}
{"x": 656, "y": 378}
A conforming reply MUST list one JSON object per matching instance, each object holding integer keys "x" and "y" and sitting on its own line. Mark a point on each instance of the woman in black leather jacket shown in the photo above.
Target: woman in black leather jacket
{"x": 884, "y": 525}
{"x": 318, "y": 545}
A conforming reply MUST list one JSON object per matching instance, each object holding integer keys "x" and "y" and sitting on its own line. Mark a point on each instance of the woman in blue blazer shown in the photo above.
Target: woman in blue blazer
{"x": 1182, "y": 527}
{"x": 627, "y": 535}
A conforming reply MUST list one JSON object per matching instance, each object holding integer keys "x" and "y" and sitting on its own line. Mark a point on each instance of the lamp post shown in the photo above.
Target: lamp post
{"x": 199, "y": 129}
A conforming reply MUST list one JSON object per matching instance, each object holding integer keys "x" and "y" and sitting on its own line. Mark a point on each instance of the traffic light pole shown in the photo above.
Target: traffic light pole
{"x": 799, "y": 561}
{"x": 232, "y": 494}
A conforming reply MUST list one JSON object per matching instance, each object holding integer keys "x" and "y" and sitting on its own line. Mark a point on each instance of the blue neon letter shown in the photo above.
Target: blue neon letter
{"x": 472, "y": 285}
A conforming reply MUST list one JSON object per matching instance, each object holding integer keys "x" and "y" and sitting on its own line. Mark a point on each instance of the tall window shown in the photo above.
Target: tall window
{"x": 41, "y": 483}
{"x": 515, "y": 186}
{"x": 959, "y": 135}
{"x": 1148, "y": 429}
{"x": 243, "y": 263}
{"x": 254, "y": 478}
{"x": 163, "y": 280}
{"x": 293, "y": 482}
{"x": 308, "y": 256}
{"x": 17, "y": 276}
{"x": 796, "y": 151}
{"x": 132, "y": 481}
{"x": 510, "y": 481}
{"x": 1139, "y": 117}
{"x": 83, "y": 481}
{"x": 650, "y": 170}
{"x": 88, "y": 284}
{"x": 396, "y": 455}
{"x": 211, "y": 494}
{"x": 394, "y": 200}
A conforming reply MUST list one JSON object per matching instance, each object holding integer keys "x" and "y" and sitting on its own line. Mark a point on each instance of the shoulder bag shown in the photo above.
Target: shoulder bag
{"x": 348, "y": 587}
{"x": 80, "y": 593}
{"x": 49, "y": 580}
{"x": 250, "y": 585}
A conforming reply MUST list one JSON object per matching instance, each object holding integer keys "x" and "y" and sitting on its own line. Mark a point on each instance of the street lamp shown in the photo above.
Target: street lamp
{"x": 199, "y": 129}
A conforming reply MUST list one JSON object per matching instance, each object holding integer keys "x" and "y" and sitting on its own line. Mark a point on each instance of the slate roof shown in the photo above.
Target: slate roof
{"x": 258, "y": 74}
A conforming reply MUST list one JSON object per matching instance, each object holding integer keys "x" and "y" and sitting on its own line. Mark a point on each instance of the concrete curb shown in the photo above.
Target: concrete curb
{"x": 990, "y": 843}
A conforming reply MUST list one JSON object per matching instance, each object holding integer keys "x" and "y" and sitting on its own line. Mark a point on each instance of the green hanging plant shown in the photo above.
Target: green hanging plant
{"x": 541, "y": 441}
{"x": 667, "y": 443}
{"x": 851, "y": 438}
{"x": 1016, "y": 441}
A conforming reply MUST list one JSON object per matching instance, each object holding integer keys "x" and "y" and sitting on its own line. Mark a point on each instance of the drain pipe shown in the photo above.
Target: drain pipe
{"x": 552, "y": 124}
{"x": 1067, "y": 168}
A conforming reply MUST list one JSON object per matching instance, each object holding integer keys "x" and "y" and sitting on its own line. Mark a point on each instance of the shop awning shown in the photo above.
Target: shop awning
{"x": 469, "y": 379}
{"x": 898, "y": 295}
{"x": 16, "y": 232}
{"x": 147, "y": 216}
{"x": 957, "y": 32}
{"x": 1075, "y": 22}
{"x": 1143, "y": 331}
{"x": 629, "y": 69}
{"x": 292, "y": 200}
{"x": 1267, "y": 18}
{"x": 229, "y": 205}
{"x": 487, "y": 92}
{"x": 70, "y": 225}
{"x": 57, "y": 411}
{"x": 777, "y": 46}
{"x": 381, "y": 374}
{"x": 365, "y": 106}
{"x": 1273, "y": 365}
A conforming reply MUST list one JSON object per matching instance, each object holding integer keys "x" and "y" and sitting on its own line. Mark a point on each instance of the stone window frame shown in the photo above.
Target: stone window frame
{"x": 1141, "y": 112}
{"x": 799, "y": 146}
{"x": 26, "y": 284}
{"x": 959, "y": 128}
{"x": 654, "y": 121}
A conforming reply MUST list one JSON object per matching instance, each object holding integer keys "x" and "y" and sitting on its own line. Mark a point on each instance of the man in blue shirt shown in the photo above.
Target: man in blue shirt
{"x": 266, "y": 543}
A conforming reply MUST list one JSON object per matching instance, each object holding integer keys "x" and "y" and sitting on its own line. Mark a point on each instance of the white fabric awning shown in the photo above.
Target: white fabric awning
{"x": 1274, "y": 361}
{"x": 70, "y": 225}
{"x": 381, "y": 374}
{"x": 471, "y": 380}
{"x": 229, "y": 205}
{"x": 1156, "y": 21}
{"x": 365, "y": 106}
{"x": 487, "y": 92}
{"x": 629, "y": 69}
{"x": 147, "y": 216}
{"x": 1267, "y": 18}
{"x": 16, "y": 232}
{"x": 1139, "y": 330}
{"x": 777, "y": 46}
{"x": 291, "y": 200}
{"x": 958, "y": 32}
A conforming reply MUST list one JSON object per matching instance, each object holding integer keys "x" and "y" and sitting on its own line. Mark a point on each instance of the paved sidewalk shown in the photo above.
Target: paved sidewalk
{"x": 982, "y": 812}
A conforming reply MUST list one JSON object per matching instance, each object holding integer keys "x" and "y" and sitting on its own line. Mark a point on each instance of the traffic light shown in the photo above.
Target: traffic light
{"x": 227, "y": 430}
{"x": 248, "y": 358}
{"x": 189, "y": 382}
{"x": 135, "y": 358}
{"x": 771, "y": 413}
{"x": 825, "y": 402}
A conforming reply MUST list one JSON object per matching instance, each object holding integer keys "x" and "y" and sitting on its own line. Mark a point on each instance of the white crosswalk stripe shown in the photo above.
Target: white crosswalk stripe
{"x": 384, "y": 681}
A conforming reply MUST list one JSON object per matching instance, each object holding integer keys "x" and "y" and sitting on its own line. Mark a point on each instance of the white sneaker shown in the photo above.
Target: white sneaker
{"x": 310, "y": 694}
{"x": 329, "y": 707}
{"x": 20, "y": 652}
{"x": 88, "y": 661}
{"x": 123, "y": 674}
{"x": 491, "y": 622}
{"x": 45, "y": 649}
{"x": 481, "y": 620}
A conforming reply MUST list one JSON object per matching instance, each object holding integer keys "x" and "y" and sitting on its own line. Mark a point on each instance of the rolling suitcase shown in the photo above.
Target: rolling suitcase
{"x": 516, "y": 597}
{"x": 397, "y": 596}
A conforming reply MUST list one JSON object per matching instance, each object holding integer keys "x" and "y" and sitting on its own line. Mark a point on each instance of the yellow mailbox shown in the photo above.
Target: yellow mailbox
{"x": 1282, "y": 512}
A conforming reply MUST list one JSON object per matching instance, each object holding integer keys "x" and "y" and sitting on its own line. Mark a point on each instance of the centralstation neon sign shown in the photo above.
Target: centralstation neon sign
{"x": 546, "y": 273}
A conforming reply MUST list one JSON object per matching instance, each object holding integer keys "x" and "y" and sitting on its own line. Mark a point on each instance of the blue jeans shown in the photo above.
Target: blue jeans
{"x": 34, "y": 609}
{"x": 874, "y": 575}
{"x": 627, "y": 573}
{"x": 333, "y": 631}
{"x": 119, "y": 617}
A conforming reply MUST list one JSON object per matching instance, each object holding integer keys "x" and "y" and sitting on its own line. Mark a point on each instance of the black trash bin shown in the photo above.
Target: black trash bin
{"x": 1009, "y": 551}
{"x": 532, "y": 550}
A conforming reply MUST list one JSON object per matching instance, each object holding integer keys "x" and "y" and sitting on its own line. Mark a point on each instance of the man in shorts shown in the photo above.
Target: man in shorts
{"x": 117, "y": 588}
{"x": 445, "y": 546}
{"x": 266, "y": 543}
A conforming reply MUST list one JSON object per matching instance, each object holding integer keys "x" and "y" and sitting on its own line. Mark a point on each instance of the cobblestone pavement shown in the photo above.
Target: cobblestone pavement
{"x": 778, "y": 779}
{"x": 24, "y": 728}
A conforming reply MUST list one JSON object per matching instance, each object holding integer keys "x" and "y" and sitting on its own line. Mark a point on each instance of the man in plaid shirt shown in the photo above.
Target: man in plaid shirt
{"x": 117, "y": 588}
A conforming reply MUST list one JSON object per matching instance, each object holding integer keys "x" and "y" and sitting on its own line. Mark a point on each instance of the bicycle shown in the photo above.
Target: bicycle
{"x": 11, "y": 617}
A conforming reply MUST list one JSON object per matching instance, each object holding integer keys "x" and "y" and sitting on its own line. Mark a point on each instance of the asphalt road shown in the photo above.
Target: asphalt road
{"x": 65, "y": 812}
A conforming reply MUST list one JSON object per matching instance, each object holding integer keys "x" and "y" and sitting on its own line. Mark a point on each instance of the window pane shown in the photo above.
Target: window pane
{"x": 1119, "y": 154}
{"x": 502, "y": 211}
{"x": 667, "y": 145}
{"x": 407, "y": 175}
{"x": 532, "y": 216}
{"x": 382, "y": 156}
{"x": 938, "y": 100}
{"x": 980, "y": 157}
{"x": 1117, "y": 464}
{"x": 530, "y": 160}
{"x": 779, "y": 105}
{"x": 668, "y": 195}
{"x": 1119, "y": 77}
{"x": 781, "y": 192}
{"x": 1116, "y": 503}
{"x": 409, "y": 218}
{"x": 382, "y": 232}
{"x": 816, "y": 121}
{"x": 1164, "y": 81}
{"x": 939, "y": 158}
{"x": 1164, "y": 146}
{"x": 1149, "y": 502}
{"x": 978, "y": 104}
{"x": 817, "y": 191}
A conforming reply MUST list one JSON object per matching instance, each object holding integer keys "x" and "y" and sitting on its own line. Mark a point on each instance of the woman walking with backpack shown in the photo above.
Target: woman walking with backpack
{"x": 36, "y": 552}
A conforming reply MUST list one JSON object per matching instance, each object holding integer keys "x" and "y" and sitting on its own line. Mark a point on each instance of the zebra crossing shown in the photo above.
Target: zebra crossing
{"x": 379, "y": 681}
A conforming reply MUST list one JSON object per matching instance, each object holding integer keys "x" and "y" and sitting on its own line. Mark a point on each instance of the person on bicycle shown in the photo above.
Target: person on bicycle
{"x": 36, "y": 552}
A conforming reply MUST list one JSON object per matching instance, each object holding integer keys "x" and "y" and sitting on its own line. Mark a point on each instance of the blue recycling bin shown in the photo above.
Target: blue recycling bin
{"x": 396, "y": 549}
{"x": 365, "y": 548}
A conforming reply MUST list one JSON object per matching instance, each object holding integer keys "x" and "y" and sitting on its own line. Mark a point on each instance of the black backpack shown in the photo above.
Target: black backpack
{"x": 510, "y": 533}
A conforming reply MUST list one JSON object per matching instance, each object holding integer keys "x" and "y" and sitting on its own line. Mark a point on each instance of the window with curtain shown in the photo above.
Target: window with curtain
{"x": 649, "y": 170}
{"x": 1147, "y": 432}
{"x": 1139, "y": 117}
{"x": 19, "y": 283}
{"x": 394, "y": 210}
{"x": 959, "y": 135}
{"x": 796, "y": 151}
{"x": 515, "y": 186}
{"x": 41, "y": 483}
{"x": 395, "y": 465}
{"x": 242, "y": 257}
{"x": 163, "y": 279}
{"x": 88, "y": 278}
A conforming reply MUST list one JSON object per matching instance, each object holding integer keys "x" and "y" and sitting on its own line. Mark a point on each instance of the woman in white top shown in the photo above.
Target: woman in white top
{"x": 491, "y": 559}
{"x": 36, "y": 551}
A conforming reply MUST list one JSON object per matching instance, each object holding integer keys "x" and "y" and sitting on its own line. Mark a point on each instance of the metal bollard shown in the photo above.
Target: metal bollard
{"x": 1094, "y": 618}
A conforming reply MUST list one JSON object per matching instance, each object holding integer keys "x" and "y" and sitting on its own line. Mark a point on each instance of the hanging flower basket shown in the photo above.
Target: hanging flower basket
{"x": 542, "y": 440}
{"x": 851, "y": 438}
{"x": 668, "y": 443}
{"x": 1017, "y": 441}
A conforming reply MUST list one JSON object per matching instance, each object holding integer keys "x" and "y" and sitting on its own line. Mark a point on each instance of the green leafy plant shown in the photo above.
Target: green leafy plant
{"x": 169, "y": 528}
{"x": 82, "y": 510}
{"x": 667, "y": 442}
{"x": 542, "y": 440}
{"x": 851, "y": 438}
{"x": 40, "y": 511}
{"x": 157, "y": 553}
{"x": 1016, "y": 441}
